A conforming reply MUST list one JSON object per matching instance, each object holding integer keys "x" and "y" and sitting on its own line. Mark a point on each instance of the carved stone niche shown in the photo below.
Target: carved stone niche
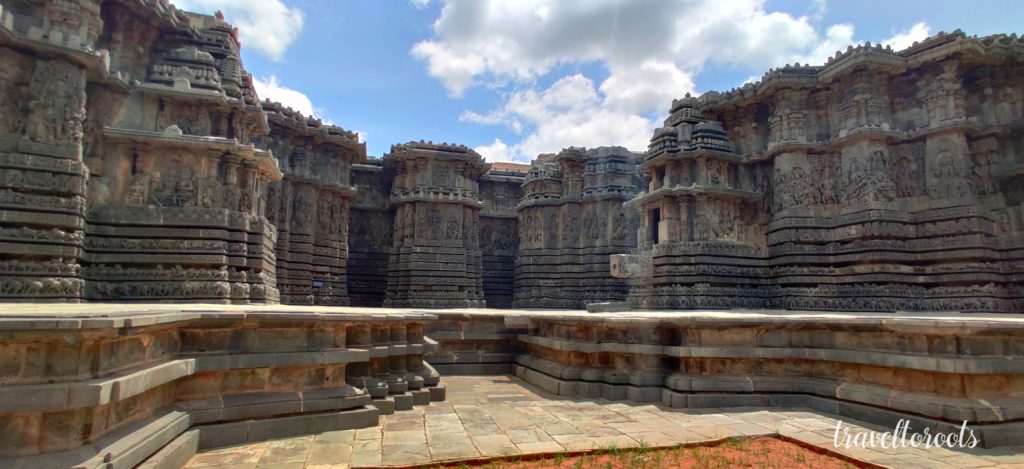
{"x": 948, "y": 170}
{"x": 866, "y": 181}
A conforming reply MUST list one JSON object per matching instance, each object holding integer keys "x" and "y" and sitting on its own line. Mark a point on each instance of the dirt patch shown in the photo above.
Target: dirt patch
{"x": 766, "y": 452}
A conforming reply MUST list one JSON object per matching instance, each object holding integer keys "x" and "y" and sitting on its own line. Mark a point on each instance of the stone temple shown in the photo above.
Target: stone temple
{"x": 184, "y": 266}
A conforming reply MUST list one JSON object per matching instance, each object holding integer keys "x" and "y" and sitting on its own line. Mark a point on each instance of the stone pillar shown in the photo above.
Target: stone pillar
{"x": 433, "y": 261}
{"x": 572, "y": 219}
{"x": 316, "y": 160}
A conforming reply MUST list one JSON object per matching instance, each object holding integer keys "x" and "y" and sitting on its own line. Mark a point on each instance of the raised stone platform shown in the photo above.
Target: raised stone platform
{"x": 96, "y": 384}
{"x": 117, "y": 385}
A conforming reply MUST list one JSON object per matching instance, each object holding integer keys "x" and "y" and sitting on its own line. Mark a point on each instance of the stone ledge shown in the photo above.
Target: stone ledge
{"x": 176, "y": 454}
{"x": 99, "y": 391}
{"x": 124, "y": 448}
{"x": 965, "y": 365}
{"x": 247, "y": 406}
{"x": 987, "y": 410}
{"x": 991, "y": 435}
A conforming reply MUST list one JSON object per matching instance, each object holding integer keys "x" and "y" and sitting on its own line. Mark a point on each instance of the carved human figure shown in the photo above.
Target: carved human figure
{"x": 138, "y": 192}
{"x": 453, "y": 229}
{"x": 301, "y": 216}
{"x": 433, "y": 224}
{"x": 620, "y": 229}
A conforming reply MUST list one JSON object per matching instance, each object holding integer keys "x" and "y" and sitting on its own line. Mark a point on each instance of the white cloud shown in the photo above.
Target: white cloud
{"x": 651, "y": 49}
{"x": 484, "y": 40}
{"x": 570, "y": 112}
{"x": 907, "y": 38}
{"x": 497, "y": 151}
{"x": 421, "y": 4}
{"x": 455, "y": 70}
{"x": 649, "y": 86}
{"x": 269, "y": 88}
{"x": 268, "y": 26}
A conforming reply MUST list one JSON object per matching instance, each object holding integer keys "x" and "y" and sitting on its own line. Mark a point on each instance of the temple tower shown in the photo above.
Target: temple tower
{"x": 435, "y": 257}
{"x": 571, "y": 219}
{"x": 310, "y": 205}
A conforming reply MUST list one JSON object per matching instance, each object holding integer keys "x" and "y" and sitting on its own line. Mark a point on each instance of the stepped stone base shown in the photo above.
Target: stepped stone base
{"x": 116, "y": 386}
{"x": 157, "y": 374}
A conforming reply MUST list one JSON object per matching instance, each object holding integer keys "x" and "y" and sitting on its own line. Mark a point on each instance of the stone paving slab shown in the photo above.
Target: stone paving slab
{"x": 487, "y": 416}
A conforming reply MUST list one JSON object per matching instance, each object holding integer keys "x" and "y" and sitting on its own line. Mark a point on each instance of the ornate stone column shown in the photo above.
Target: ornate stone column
{"x": 434, "y": 261}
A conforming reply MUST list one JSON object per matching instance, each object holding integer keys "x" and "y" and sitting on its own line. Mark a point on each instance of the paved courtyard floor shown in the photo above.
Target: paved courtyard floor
{"x": 501, "y": 415}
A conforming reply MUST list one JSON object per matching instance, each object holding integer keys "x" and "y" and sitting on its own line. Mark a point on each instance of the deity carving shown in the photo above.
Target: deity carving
{"x": 209, "y": 196}
{"x": 138, "y": 191}
{"x": 907, "y": 171}
{"x": 948, "y": 178}
{"x": 620, "y": 228}
{"x": 302, "y": 215}
{"x": 12, "y": 102}
{"x": 867, "y": 177}
{"x": 453, "y": 230}
{"x": 572, "y": 232}
{"x": 56, "y": 104}
{"x": 486, "y": 237}
{"x": 273, "y": 202}
{"x": 715, "y": 171}
{"x": 433, "y": 224}
{"x": 473, "y": 232}
{"x": 245, "y": 201}
{"x": 175, "y": 187}
{"x": 984, "y": 158}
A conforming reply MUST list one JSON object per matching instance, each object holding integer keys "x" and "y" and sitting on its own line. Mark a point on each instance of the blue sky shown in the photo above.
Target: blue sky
{"x": 517, "y": 78}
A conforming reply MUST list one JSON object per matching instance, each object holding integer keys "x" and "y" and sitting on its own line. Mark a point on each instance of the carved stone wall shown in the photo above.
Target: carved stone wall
{"x": 370, "y": 235}
{"x": 310, "y": 205}
{"x": 571, "y": 219}
{"x": 435, "y": 258}
{"x": 176, "y": 184}
{"x": 152, "y": 107}
{"x": 500, "y": 190}
{"x": 881, "y": 181}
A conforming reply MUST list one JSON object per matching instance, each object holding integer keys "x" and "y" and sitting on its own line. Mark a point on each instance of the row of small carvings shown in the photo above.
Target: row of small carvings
{"x": 567, "y": 255}
{"x": 762, "y": 270}
{"x": 989, "y": 410}
{"x": 614, "y": 193}
{"x": 595, "y": 269}
{"x": 882, "y": 230}
{"x": 641, "y": 298}
{"x": 852, "y": 290}
{"x": 182, "y": 216}
{"x": 811, "y": 221}
{"x": 886, "y": 267}
{"x": 744, "y": 250}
